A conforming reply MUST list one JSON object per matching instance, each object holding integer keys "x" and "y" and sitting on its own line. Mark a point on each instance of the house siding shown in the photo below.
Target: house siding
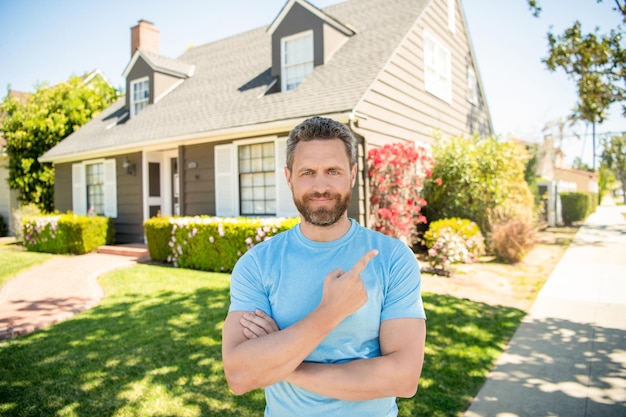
{"x": 396, "y": 107}
{"x": 298, "y": 20}
{"x": 140, "y": 69}
{"x": 163, "y": 83}
{"x": 198, "y": 193}
{"x": 129, "y": 222}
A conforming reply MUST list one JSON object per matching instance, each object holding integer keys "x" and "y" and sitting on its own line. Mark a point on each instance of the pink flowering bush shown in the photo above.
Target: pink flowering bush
{"x": 451, "y": 241}
{"x": 208, "y": 243}
{"x": 66, "y": 233}
{"x": 397, "y": 173}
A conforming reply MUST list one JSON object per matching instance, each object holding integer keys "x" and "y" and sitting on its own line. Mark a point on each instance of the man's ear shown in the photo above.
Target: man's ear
{"x": 288, "y": 177}
{"x": 353, "y": 175}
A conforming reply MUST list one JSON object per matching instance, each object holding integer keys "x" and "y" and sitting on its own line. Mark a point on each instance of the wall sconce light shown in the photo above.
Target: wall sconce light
{"x": 192, "y": 165}
{"x": 129, "y": 167}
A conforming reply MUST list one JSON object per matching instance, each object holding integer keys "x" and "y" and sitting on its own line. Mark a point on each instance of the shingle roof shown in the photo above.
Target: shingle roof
{"x": 231, "y": 75}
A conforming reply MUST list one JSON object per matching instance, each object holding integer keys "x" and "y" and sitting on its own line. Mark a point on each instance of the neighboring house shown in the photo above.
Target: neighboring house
{"x": 206, "y": 133}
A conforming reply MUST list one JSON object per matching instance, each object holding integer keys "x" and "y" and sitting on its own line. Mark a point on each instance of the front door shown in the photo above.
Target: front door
{"x": 161, "y": 184}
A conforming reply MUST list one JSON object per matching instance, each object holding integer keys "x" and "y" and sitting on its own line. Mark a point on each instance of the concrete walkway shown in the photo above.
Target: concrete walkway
{"x": 568, "y": 357}
{"x": 58, "y": 289}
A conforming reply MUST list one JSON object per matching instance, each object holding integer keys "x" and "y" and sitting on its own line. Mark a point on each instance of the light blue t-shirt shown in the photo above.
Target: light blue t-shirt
{"x": 284, "y": 277}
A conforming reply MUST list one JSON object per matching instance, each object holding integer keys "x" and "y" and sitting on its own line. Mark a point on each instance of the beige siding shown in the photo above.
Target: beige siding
{"x": 396, "y": 106}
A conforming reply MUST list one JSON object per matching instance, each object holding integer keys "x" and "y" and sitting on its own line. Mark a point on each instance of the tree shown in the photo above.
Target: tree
{"x": 33, "y": 126}
{"x": 595, "y": 61}
{"x": 614, "y": 156}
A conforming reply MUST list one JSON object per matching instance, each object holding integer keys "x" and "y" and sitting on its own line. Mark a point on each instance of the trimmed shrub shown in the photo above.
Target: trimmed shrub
{"x": 158, "y": 233}
{"x": 452, "y": 241}
{"x": 66, "y": 233}
{"x": 511, "y": 240}
{"x": 575, "y": 206}
{"x": 208, "y": 243}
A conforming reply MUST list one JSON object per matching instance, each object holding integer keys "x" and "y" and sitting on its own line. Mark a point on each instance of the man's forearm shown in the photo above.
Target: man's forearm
{"x": 359, "y": 380}
{"x": 264, "y": 361}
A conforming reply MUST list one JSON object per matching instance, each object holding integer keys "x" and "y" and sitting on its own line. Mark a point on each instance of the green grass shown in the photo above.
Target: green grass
{"x": 152, "y": 347}
{"x": 13, "y": 261}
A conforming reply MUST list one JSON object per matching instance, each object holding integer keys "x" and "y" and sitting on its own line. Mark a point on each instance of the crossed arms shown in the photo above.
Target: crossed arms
{"x": 257, "y": 354}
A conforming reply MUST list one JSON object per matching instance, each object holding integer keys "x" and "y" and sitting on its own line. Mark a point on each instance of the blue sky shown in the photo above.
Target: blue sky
{"x": 47, "y": 41}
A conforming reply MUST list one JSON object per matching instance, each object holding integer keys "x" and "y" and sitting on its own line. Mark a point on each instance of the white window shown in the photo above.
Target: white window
{"x": 296, "y": 59}
{"x": 437, "y": 68}
{"x": 472, "y": 86}
{"x": 139, "y": 95}
{"x": 94, "y": 188}
{"x": 250, "y": 179}
{"x": 452, "y": 15}
{"x": 257, "y": 179}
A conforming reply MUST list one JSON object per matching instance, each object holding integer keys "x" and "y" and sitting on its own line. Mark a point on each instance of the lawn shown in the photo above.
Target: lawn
{"x": 152, "y": 347}
{"x": 13, "y": 260}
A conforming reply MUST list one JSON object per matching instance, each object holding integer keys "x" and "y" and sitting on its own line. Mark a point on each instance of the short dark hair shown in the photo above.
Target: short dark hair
{"x": 320, "y": 128}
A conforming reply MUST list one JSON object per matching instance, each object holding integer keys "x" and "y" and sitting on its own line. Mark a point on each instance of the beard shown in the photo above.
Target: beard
{"x": 323, "y": 216}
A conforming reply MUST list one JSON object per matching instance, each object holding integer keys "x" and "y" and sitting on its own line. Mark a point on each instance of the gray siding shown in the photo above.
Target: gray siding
{"x": 63, "y": 187}
{"x": 397, "y": 107}
{"x": 140, "y": 69}
{"x": 198, "y": 196}
{"x": 128, "y": 224}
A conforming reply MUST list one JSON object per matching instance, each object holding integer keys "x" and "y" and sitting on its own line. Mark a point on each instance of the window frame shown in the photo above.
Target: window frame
{"x": 145, "y": 101}
{"x": 309, "y": 62}
{"x": 452, "y": 16}
{"x": 472, "y": 86}
{"x": 437, "y": 68}
{"x": 79, "y": 186}
{"x": 267, "y": 173}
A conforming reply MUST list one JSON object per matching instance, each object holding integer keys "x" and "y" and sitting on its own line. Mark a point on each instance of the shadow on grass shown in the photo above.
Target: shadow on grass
{"x": 153, "y": 348}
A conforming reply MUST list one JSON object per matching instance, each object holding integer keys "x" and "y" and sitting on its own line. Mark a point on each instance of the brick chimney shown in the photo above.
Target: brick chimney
{"x": 145, "y": 36}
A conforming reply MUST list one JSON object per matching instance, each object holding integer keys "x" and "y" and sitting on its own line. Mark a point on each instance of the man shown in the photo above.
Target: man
{"x": 327, "y": 316}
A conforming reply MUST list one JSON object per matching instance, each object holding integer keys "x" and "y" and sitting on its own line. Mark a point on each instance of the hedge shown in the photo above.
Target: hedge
{"x": 67, "y": 233}
{"x": 575, "y": 206}
{"x": 208, "y": 243}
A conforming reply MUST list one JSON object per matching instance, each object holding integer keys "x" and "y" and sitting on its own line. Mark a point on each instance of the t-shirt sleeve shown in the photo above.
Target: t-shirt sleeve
{"x": 403, "y": 298}
{"x": 247, "y": 292}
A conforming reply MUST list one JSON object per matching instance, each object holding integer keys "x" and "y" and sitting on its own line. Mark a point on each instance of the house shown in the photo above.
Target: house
{"x": 205, "y": 133}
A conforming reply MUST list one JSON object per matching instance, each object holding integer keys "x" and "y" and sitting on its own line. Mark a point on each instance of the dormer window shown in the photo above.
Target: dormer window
{"x": 140, "y": 95}
{"x": 297, "y": 59}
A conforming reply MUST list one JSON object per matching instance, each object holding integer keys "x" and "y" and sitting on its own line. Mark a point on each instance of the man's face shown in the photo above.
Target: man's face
{"x": 321, "y": 180}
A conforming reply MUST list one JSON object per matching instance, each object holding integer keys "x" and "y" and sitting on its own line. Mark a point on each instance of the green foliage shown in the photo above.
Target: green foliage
{"x": 3, "y": 226}
{"x": 208, "y": 243}
{"x": 479, "y": 175}
{"x": 451, "y": 241}
{"x": 614, "y": 157}
{"x": 34, "y": 125}
{"x": 67, "y": 233}
{"x": 594, "y": 61}
{"x": 464, "y": 227}
{"x": 158, "y": 233}
{"x": 575, "y": 206}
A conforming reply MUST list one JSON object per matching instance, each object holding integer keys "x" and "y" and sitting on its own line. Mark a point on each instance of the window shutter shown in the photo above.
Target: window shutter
{"x": 110, "y": 188}
{"x": 79, "y": 189}
{"x": 284, "y": 200}
{"x": 225, "y": 181}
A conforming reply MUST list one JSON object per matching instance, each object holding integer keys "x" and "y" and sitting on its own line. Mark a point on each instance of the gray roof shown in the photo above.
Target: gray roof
{"x": 231, "y": 75}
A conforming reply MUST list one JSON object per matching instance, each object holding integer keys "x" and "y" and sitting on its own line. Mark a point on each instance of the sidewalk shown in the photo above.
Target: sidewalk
{"x": 568, "y": 357}
{"x": 55, "y": 291}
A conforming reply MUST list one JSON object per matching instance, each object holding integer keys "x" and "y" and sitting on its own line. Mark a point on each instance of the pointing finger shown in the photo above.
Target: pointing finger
{"x": 360, "y": 265}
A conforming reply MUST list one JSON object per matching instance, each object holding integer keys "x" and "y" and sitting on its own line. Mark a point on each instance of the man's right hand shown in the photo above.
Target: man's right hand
{"x": 344, "y": 292}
